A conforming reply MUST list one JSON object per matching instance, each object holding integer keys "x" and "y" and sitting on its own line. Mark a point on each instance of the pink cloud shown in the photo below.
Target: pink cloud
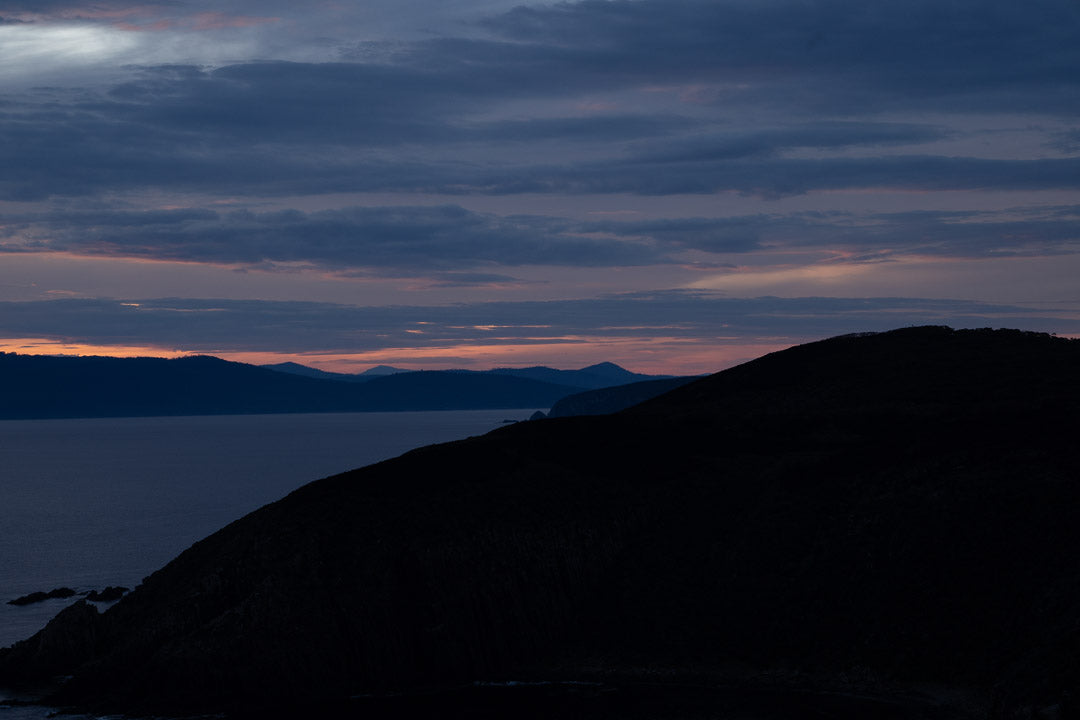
{"x": 156, "y": 26}
{"x": 145, "y": 18}
{"x": 219, "y": 20}
{"x": 103, "y": 13}
{"x": 199, "y": 22}
{"x": 134, "y": 18}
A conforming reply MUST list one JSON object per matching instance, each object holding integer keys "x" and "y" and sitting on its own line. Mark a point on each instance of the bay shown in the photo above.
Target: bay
{"x": 89, "y": 503}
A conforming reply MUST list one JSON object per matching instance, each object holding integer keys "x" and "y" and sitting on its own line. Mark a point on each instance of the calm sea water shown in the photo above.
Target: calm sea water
{"x": 97, "y": 502}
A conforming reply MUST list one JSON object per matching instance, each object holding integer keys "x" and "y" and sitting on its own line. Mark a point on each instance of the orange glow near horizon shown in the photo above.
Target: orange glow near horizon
{"x": 48, "y": 346}
{"x": 663, "y": 355}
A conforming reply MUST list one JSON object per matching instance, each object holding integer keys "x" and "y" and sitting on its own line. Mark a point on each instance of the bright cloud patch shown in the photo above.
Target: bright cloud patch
{"x": 33, "y": 49}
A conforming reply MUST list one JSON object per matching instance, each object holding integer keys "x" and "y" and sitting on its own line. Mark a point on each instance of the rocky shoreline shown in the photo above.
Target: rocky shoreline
{"x": 106, "y": 595}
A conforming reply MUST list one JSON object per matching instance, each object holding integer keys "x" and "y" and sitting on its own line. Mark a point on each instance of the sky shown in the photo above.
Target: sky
{"x": 673, "y": 185}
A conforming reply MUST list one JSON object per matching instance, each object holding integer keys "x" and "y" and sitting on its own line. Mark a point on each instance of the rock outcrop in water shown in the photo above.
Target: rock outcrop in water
{"x": 112, "y": 593}
{"x": 898, "y": 506}
{"x": 108, "y": 594}
{"x": 42, "y": 596}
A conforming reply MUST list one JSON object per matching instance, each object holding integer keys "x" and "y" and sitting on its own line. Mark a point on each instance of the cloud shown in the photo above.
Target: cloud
{"x": 829, "y": 53}
{"x": 869, "y": 236}
{"x": 452, "y": 246}
{"x": 768, "y": 99}
{"x": 697, "y": 319}
{"x": 319, "y": 129}
{"x": 457, "y": 279}
{"x": 424, "y": 238}
{"x": 779, "y": 177}
{"x": 215, "y": 20}
{"x": 1067, "y": 141}
{"x": 878, "y": 236}
{"x": 734, "y": 145}
{"x": 599, "y": 128}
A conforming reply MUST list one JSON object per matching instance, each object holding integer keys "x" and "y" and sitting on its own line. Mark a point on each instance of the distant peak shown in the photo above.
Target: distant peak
{"x": 608, "y": 370}
{"x": 383, "y": 370}
{"x": 606, "y": 367}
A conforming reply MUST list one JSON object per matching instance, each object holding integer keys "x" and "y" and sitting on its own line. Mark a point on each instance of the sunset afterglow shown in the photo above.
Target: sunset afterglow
{"x": 674, "y": 186}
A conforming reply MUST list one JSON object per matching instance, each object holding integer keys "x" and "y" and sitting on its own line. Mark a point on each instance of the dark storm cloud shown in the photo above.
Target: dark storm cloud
{"x": 602, "y": 128}
{"x": 892, "y": 53}
{"x": 41, "y": 6}
{"x": 418, "y": 238}
{"x": 1068, "y": 141}
{"x": 283, "y": 102}
{"x": 969, "y": 234}
{"x": 717, "y": 235}
{"x": 269, "y": 128}
{"x": 814, "y": 135}
{"x": 236, "y": 326}
{"x": 447, "y": 243}
{"x": 778, "y": 177}
{"x": 431, "y": 117}
{"x": 47, "y": 6}
{"x": 346, "y": 103}
{"x": 1018, "y": 232}
{"x": 72, "y": 158}
{"x": 186, "y": 129}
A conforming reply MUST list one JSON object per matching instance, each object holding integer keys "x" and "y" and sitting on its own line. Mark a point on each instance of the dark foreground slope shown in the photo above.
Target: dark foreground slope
{"x": 604, "y": 401}
{"x": 899, "y": 507}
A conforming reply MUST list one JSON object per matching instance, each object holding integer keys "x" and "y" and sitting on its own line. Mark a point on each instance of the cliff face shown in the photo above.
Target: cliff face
{"x": 902, "y": 503}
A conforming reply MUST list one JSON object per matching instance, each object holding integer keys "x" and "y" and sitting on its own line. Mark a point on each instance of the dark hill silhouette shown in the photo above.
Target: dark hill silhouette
{"x": 441, "y": 390}
{"x": 51, "y": 387}
{"x": 298, "y": 369}
{"x": 601, "y": 375}
{"x": 381, "y": 370}
{"x": 305, "y": 371}
{"x": 604, "y": 401}
{"x": 614, "y": 373}
{"x": 868, "y": 515}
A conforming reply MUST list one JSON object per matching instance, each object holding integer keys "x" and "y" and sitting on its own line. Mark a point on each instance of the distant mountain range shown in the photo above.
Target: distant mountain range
{"x": 33, "y": 386}
{"x": 872, "y": 526}
{"x": 601, "y": 375}
{"x": 305, "y": 371}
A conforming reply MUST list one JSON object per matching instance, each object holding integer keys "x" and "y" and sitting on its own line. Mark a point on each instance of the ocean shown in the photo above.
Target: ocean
{"x": 90, "y": 503}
